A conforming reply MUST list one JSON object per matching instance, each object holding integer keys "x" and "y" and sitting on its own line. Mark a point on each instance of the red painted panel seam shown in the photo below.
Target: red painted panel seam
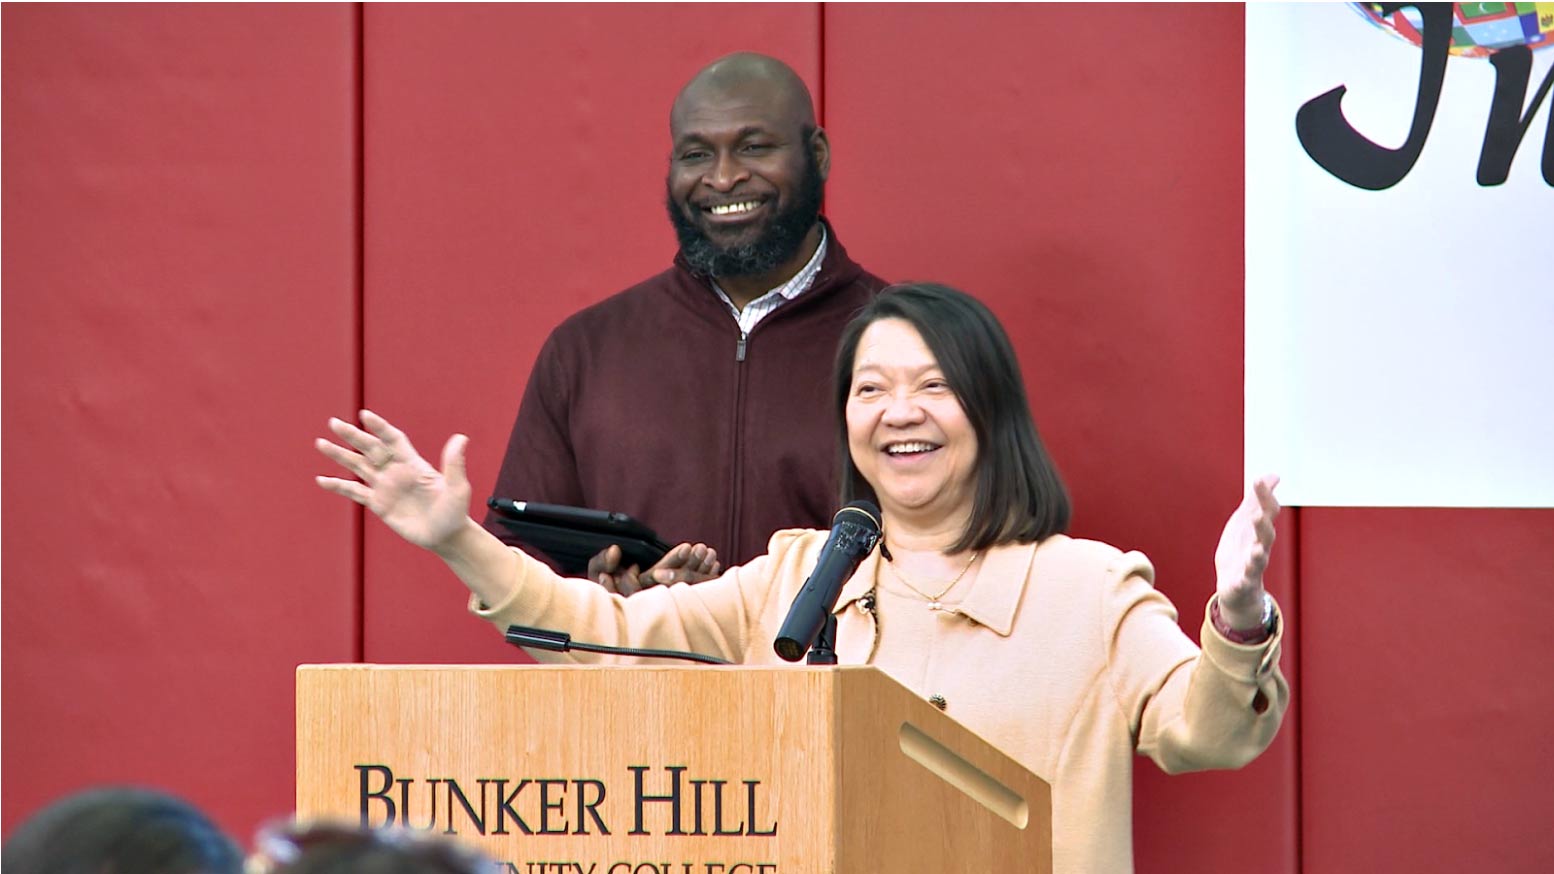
{"x": 359, "y": 611}
{"x": 1296, "y": 590}
{"x": 820, "y": 98}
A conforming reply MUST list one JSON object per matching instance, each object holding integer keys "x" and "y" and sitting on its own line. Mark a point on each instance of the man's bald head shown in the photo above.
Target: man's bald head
{"x": 759, "y": 77}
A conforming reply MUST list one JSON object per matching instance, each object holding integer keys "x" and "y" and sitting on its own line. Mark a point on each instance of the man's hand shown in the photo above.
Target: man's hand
{"x": 686, "y": 563}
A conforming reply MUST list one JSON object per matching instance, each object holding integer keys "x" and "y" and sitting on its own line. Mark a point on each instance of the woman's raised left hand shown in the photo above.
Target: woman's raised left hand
{"x": 1243, "y": 552}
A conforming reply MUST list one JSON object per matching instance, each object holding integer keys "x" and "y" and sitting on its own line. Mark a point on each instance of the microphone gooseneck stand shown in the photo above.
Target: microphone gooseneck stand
{"x": 560, "y": 641}
{"x": 824, "y": 650}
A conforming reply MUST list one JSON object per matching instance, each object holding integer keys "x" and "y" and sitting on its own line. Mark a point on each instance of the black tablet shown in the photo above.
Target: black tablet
{"x": 573, "y": 535}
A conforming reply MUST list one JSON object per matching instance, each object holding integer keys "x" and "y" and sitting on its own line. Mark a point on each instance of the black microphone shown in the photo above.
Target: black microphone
{"x": 855, "y": 529}
{"x": 560, "y": 641}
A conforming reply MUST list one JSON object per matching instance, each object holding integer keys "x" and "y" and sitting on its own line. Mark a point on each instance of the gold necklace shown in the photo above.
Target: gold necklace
{"x": 933, "y": 600}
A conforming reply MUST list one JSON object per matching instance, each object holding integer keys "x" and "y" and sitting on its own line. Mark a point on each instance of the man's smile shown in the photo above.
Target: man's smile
{"x": 740, "y": 208}
{"x": 733, "y": 213}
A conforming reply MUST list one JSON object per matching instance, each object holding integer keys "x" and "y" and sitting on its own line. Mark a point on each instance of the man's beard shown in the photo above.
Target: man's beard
{"x": 777, "y": 245}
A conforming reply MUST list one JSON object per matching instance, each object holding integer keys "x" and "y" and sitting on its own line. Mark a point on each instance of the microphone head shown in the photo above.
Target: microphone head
{"x": 863, "y": 513}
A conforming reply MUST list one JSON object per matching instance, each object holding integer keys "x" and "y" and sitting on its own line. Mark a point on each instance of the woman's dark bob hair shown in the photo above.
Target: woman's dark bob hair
{"x": 1019, "y": 497}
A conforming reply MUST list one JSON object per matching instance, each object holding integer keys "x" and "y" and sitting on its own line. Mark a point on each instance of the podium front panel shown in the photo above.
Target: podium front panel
{"x": 664, "y": 770}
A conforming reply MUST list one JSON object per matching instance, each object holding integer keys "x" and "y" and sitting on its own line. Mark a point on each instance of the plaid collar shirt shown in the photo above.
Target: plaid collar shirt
{"x": 767, "y": 303}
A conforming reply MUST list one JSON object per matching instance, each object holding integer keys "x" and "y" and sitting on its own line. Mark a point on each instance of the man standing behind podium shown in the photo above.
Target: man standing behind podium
{"x": 695, "y": 401}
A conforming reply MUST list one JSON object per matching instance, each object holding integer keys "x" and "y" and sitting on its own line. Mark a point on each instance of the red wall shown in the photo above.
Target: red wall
{"x": 223, "y": 224}
{"x": 180, "y": 293}
{"x": 1425, "y": 742}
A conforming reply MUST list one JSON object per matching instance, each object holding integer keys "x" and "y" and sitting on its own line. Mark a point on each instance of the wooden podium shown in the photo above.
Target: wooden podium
{"x": 666, "y": 770}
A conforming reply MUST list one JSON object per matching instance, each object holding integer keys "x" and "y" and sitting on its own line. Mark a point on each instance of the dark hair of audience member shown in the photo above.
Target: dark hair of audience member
{"x": 120, "y": 830}
{"x": 337, "y": 848}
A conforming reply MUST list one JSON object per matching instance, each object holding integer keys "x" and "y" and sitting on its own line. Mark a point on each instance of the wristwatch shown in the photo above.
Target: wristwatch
{"x": 1260, "y": 633}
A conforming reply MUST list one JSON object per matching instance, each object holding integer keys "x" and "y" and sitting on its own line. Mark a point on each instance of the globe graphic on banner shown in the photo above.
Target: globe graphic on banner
{"x": 1478, "y": 30}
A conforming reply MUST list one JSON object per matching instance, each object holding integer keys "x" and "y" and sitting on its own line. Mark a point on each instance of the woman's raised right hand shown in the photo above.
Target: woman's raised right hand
{"x": 418, "y": 502}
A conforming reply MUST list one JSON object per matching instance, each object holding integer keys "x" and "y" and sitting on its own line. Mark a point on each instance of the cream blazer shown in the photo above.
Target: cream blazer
{"x": 1062, "y": 654}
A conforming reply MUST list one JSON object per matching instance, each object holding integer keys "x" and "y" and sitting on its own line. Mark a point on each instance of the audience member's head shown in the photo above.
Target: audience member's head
{"x": 120, "y": 831}
{"x": 331, "y": 848}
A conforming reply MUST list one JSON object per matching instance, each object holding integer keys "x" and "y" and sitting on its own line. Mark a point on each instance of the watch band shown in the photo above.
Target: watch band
{"x": 1260, "y": 633}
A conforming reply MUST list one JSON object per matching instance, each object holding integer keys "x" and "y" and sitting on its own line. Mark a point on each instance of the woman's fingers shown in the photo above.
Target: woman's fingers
{"x": 371, "y": 447}
{"x": 358, "y": 439}
{"x": 452, "y": 459}
{"x": 1257, "y": 562}
{"x": 347, "y": 488}
{"x": 347, "y": 459}
{"x": 381, "y": 443}
{"x": 390, "y": 437}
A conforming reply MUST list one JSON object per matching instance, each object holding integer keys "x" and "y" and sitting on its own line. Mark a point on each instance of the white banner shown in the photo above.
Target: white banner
{"x": 1400, "y": 325}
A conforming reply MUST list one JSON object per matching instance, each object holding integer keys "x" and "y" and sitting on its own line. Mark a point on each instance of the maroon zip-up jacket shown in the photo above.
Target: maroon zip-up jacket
{"x": 650, "y": 403}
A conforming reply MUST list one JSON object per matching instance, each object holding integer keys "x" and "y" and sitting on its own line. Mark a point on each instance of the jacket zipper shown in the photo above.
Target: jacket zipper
{"x": 741, "y": 352}
{"x": 737, "y": 485}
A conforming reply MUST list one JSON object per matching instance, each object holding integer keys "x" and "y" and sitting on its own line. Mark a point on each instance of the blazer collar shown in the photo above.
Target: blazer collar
{"x": 996, "y": 593}
{"x": 994, "y": 597}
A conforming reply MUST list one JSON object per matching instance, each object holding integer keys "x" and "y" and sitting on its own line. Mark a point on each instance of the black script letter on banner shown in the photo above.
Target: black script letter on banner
{"x": 1345, "y": 152}
{"x": 1505, "y": 130}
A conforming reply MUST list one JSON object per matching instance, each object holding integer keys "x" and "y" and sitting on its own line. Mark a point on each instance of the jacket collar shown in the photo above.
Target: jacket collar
{"x": 994, "y": 597}
{"x": 998, "y": 589}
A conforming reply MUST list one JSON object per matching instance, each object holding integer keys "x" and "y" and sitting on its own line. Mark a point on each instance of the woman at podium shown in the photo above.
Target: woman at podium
{"x": 1058, "y": 650}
